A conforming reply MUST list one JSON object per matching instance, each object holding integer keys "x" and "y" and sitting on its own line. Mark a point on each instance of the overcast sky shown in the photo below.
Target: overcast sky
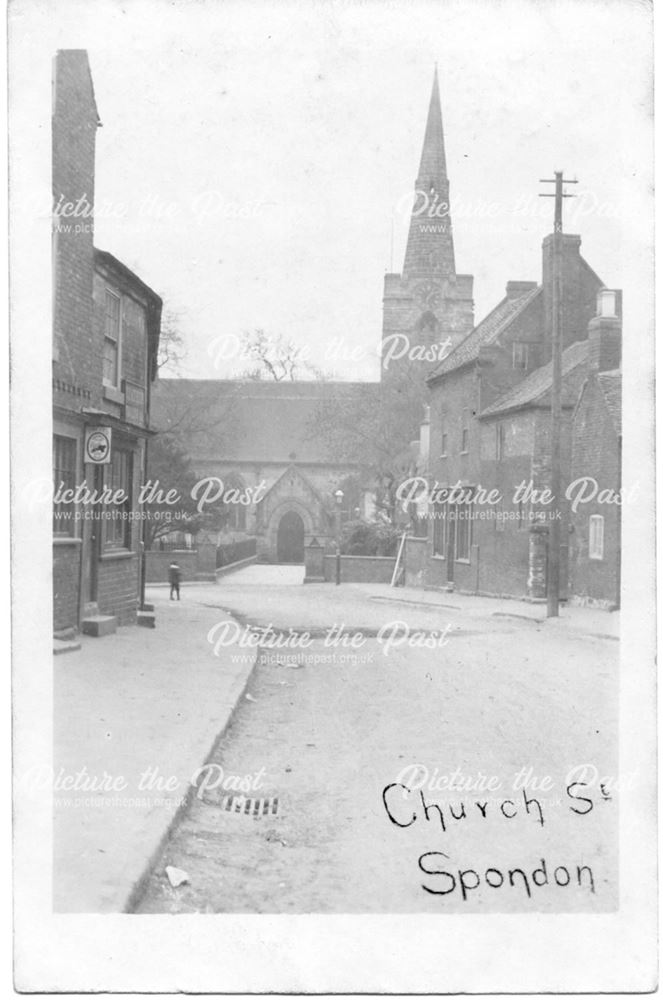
{"x": 254, "y": 158}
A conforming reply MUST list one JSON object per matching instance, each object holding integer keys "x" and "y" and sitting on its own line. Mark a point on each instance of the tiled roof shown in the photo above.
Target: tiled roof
{"x": 245, "y": 420}
{"x": 534, "y": 389}
{"x": 486, "y": 332}
{"x": 611, "y": 386}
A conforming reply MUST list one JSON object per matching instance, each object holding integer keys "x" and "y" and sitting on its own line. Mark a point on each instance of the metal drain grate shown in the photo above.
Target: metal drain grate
{"x": 249, "y": 806}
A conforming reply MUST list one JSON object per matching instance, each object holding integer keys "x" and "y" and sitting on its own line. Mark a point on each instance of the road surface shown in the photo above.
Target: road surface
{"x": 414, "y": 759}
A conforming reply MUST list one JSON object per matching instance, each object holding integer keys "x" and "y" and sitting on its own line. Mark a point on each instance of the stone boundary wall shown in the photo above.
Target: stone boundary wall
{"x": 361, "y": 569}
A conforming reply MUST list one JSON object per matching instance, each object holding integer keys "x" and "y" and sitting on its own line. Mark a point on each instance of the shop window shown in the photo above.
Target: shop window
{"x": 64, "y": 478}
{"x": 596, "y": 526}
{"x": 119, "y": 477}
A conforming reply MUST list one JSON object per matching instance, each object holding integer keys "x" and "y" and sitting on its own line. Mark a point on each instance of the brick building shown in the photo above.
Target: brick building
{"x": 106, "y": 325}
{"x": 596, "y": 448}
{"x": 490, "y": 429}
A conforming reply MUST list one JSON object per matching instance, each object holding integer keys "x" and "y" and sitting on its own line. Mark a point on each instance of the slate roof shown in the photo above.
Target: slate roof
{"x": 252, "y": 421}
{"x": 487, "y": 332}
{"x": 535, "y": 388}
{"x": 611, "y": 386}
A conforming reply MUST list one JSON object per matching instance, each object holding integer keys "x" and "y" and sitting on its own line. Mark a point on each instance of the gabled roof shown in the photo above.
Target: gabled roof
{"x": 106, "y": 259}
{"x": 244, "y": 420}
{"x": 103, "y": 259}
{"x": 292, "y": 470}
{"x": 487, "y": 332}
{"x": 611, "y": 386}
{"x": 534, "y": 390}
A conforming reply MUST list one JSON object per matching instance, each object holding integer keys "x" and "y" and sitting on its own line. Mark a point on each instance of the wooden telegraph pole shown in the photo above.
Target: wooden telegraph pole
{"x": 554, "y": 532}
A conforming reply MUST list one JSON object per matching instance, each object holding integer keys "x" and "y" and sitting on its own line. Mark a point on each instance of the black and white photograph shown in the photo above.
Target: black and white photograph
{"x": 332, "y": 405}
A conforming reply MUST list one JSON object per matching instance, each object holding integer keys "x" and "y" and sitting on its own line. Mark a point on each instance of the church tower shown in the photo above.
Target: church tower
{"x": 429, "y": 303}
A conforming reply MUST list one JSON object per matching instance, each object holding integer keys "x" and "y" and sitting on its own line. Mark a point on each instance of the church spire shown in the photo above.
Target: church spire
{"x": 433, "y": 162}
{"x": 430, "y": 249}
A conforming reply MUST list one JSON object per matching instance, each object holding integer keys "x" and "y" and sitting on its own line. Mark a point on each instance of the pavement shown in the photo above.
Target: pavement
{"x": 138, "y": 713}
{"x": 587, "y": 621}
{"x": 135, "y": 715}
{"x": 290, "y": 605}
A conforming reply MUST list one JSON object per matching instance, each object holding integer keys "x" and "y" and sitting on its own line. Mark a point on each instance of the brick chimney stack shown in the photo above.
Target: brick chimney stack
{"x": 73, "y": 136}
{"x": 573, "y": 326}
{"x": 605, "y": 332}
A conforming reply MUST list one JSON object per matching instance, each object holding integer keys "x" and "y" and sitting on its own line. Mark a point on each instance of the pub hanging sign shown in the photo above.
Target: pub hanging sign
{"x": 98, "y": 445}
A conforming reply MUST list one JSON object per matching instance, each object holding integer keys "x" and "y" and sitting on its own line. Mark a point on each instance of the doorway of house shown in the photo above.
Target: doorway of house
{"x": 290, "y": 538}
{"x": 452, "y": 514}
{"x": 91, "y": 535}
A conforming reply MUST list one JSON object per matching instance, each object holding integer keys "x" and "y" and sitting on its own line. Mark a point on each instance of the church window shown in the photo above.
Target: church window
{"x": 234, "y": 512}
{"x": 238, "y": 518}
{"x": 427, "y": 322}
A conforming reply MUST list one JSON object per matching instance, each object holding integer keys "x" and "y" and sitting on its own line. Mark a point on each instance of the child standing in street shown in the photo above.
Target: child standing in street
{"x": 174, "y": 577}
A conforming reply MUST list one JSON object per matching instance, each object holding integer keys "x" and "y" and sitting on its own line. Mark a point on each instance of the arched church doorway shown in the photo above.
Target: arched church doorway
{"x": 290, "y": 538}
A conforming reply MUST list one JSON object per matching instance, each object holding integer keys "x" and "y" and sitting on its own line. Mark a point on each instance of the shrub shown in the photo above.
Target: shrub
{"x": 361, "y": 538}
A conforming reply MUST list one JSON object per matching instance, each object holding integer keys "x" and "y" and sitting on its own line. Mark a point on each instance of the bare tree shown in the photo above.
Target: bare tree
{"x": 276, "y": 358}
{"x": 187, "y": 416}
{"x": 375, "y": 430}
{"x": 195, "y": 412}
{"x": 172, "y": 350}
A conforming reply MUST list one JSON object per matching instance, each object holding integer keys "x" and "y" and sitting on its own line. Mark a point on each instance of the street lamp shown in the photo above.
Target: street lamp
{"x": 338, "y": 496}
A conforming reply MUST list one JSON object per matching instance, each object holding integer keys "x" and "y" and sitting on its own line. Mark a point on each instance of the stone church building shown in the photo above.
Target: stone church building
{"x": 256, "y": 439}
{"x": 258, "y": 432}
